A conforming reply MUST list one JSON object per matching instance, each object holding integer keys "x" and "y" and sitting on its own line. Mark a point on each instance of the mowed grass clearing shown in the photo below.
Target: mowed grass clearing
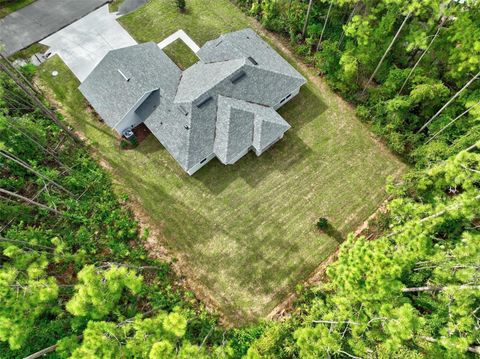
{"x": 246, "y": 232}
{"x": 181, "y": 54}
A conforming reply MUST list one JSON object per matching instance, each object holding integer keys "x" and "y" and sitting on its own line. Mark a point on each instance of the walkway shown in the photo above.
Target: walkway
{"x": 40, "y": 19}
{"x": 85, "y": 42}
{"x": 180, "y": 34}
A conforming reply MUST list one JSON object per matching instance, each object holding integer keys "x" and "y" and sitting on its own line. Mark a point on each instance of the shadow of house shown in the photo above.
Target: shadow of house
{"x": 288, "y": 151}
{"x": 221, "y": 107}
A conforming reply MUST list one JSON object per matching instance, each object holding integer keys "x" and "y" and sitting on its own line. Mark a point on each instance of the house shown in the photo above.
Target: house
{"x": 222, "y": 106}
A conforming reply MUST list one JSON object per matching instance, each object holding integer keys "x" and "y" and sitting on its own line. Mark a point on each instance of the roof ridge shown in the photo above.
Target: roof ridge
{"x": 241, "y": 64}
{"x": 246, "y": 101}
{"x": 260, "y": 66}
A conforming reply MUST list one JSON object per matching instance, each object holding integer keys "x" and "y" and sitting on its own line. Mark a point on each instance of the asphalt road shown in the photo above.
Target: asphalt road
{"x": 41, "y": 19}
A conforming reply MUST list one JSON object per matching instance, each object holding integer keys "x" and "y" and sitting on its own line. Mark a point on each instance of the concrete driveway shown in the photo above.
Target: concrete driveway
{"x": 40, "y": 19}
{"x": 84, "y": 43}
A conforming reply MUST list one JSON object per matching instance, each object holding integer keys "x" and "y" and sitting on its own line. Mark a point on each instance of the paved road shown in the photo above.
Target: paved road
{"x": 40, "y": 19}
{"x": 84, "y": 43}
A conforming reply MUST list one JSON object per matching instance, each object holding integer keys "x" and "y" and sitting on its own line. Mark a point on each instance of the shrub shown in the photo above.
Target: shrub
{"x": 181, "y": 4}
{"x": 322, "y": 223}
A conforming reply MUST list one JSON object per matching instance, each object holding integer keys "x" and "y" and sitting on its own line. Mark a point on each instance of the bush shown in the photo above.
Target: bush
{"x": 322, "y": 223}
{"x": 181, "y": 4}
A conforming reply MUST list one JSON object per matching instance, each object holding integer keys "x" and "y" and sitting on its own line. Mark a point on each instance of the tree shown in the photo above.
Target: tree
{"x": 464, "y": 43}
{"x": 425, "y": 125}
{"x": 387, "y": 50}
{"x": 31, "y": 94}
{"x": 307, "y": 17}
{"x": 26, "y": 292}
{"x": 324, "y": 25}
{"x": 368, "y": 306}
{"x": 453, "y": 121}
{"x": 444, "y": 18}
{"x": 181, "y": 4}
{"x": 322, "y": 223}
{"x": 99, "y": 290}
{"x": 159, "y": 337}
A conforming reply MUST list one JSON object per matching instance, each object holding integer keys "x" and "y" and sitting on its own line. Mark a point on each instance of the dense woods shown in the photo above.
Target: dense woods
{"x": 410, "y": 66}
{"x": 72, "y": 264}
{"x": 412, "y": 69}
{"x": 74, "y": 275}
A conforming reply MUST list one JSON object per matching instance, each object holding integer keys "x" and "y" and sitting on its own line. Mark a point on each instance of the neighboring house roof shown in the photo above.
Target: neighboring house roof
{"x": 222, "y": 105}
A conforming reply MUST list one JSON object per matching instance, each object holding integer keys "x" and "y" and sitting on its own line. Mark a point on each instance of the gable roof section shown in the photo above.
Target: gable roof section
{"x": 268, "y": 128}
{"x": 244, "y": 44}
{"x": 234, "y": 133}
{"x": 262, "y": 86}
{"x": 125, "y": 75}
{"x": 198, "y": 79}
{"x": 242, "y": 124}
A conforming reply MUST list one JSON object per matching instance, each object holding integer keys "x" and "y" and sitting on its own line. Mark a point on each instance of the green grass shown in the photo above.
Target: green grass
{"x": 7, "y": 7}
{"x": 203, "y": 20}
{"x": 246, "y": 232}
{"x": 181, "y": 54}
{"x": 115, "y": 5}
{"x": 28, "y": 52}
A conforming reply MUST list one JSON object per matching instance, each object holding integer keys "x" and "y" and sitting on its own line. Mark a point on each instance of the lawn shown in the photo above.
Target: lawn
{"x": 28, "y": 52}
{"x": 115, "y": 5}
{"x": 9, "y": 6}
{"x": 203, "y": 20}
{"x": 181, "y": 54}
{"x": 246, "y": 232}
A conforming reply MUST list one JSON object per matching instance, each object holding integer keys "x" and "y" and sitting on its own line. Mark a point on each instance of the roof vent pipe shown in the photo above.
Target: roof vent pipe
{"x": 123, "y": 75}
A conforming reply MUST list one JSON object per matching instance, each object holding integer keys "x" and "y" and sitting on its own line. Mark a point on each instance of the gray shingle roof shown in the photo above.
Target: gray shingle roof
{"x": 243, "y": 44}
{"x": 222, "y": 105}
{"x": 200, "y": 78}
{"x": 234, "y": 132}
{"x": 241, "y": 125}
{"x": 112, "y": 95}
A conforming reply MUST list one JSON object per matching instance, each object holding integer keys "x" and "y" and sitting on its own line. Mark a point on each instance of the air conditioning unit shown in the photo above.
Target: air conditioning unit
{"x": 129, "y": 135}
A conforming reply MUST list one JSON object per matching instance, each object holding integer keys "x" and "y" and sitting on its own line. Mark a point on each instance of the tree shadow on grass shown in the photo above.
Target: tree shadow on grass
{"x": 334, "y": 233}
{"x": 289, "y": 151}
